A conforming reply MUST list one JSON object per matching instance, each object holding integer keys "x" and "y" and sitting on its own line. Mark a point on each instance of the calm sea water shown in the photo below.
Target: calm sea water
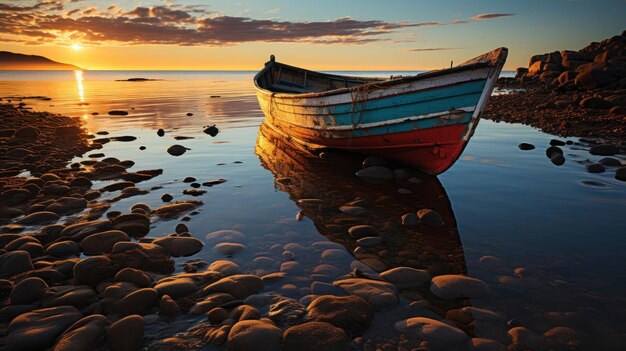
{"x": 564, "y": 226}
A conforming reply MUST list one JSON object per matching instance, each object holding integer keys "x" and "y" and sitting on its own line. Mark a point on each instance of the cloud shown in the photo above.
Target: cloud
{"x": 172, "y": 24}
{"x": 433, "y": 49}
{"x": 486, "y": 16}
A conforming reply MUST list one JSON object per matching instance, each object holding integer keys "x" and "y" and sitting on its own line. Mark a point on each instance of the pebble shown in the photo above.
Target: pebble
{"x": 526, "y": 146}
{"x": 168, "y": 307}
{"x": 85, "y": 334}
{"x": 239, "y": 286}
{"x": 211, "y": 130}
{"x": 595, "y": 168}
{"x": 178, "y": 246}
{"x": 430, "y": 217}
{"x": 137, "y": 302}
{"x": 93, "y": 270}
{"x": 175, "y": 209}
{"x": 375, "y": 172}
{"x": 314, "y": 336}
{"x": 14, "y": 262}
{"x": 604, "y": 150}
{"x": 610, "y": 162}
{"x": 379, "y": 294}
{"x": 177, "y": 150}
{"x": 553, "y": 150}
{"x": 100, "y": 243}
{"x": 28, "y": 291}
{"x": 176, "y": 287}
{"x": 353, "y": 210}
{"x": 225, "y": 267}
{"x": 254, "y": 335}
{"x": 225, "y": 235}
{"x": 134, "y": 276}
{"x": 453, "y": 286}
{"x": 126, "y": 334}
{"x": 43, "y": 217}
{"x": 118, "y": 113}
{"x": 351, "y": 313}
{"x": 557, "y": 159}
{"x": 228, "y": 249}
{"x": 167, "y": 198}
{"x": 406, "y": 277}
{"x": 160, "y": 132}
{"x": 38, "y": 329}
{"x": 439, "y": 335}
{"x": 620, "y": 174}
{"x": 361, "y": 231}
{"x": 409, "y": 219}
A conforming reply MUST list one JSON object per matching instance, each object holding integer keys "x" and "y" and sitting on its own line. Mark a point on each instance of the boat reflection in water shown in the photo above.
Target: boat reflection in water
{"x": 321, "y": 185}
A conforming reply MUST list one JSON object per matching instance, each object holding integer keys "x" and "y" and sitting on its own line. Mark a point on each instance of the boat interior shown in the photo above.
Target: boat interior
{"x": 281, "y": 78}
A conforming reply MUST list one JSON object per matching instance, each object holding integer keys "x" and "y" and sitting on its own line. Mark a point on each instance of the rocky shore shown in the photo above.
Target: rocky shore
{"x": 569, "y": 93}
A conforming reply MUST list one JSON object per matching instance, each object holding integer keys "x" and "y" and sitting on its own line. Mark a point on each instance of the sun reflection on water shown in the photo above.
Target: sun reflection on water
{"x": 79, "y": 84}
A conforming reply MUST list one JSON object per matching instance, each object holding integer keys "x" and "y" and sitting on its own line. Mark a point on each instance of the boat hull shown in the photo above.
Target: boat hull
{"x": 425, "y": 123}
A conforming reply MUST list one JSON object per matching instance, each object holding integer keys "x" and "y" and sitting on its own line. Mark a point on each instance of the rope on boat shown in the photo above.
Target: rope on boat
{"x": 360, "y": 97}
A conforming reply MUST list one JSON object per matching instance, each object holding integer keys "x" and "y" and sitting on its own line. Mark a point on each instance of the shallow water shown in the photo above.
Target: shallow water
{"x": 564, "y": 226}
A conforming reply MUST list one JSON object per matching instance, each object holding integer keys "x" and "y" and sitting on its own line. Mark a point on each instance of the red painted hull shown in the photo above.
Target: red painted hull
{"x": 432, "y": 150}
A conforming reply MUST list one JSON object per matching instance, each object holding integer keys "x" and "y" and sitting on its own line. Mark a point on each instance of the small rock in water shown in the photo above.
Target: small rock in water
{"x": 410, "y": 219}
{"x": 189, "y": 180}
{"x": 557, "y": 159}
{"x": 375, "y": 172}
{"x": 228, "y": 249}
{"x": 353, "y": 210}
{"x": 556, "y": 142}
{"x": 181, "y": 228}
{"x": 255, "y": 335}
{"x": 160, "y": 132}
{"x": 142, "y": 148}
{"x": 351, "y": 313}
{"x": 314, "y": 336}
{"x": 361, "y": 231}
{"x": 406, "y": 277}
{"x": 595, "y": 168}
{"x": 453, "y": 286}
{"x": 604, "y": 150}
{"x": 211, "y": 130}
{"x": 430, "y": 217}
{"x": 167, "y": 198}
{"x": 610, "y": 162}
{"x": 177, "y": 150}
{"x": 553, "y": 150}
{"x": 526, "y": 146}
{"x": 118, "y": 113}
{"x": 438, "y": 335}
{"x": 189, "y": 114}
{"x": 620, "y": 174}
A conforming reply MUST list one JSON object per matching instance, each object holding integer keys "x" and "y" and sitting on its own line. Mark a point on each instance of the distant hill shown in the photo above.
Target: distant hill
{"x": 13, "y": 61}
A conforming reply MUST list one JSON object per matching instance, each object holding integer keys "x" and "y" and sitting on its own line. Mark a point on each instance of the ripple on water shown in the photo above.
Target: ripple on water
{"x": 594, "y": 184}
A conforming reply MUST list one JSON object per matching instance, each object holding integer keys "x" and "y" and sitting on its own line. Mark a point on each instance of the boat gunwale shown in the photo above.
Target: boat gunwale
{"x": 377, "y": 82}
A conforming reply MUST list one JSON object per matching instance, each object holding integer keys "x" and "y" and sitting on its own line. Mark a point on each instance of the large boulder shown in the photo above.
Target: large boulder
{"x": 14, "y": 262}
{"x": 126, "y": 334}
{"x": 86, "y": 334}
{"x": 592, "y": 75}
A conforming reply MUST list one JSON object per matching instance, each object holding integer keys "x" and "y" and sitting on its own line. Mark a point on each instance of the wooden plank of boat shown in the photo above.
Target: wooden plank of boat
{"x": 423, "y": 120}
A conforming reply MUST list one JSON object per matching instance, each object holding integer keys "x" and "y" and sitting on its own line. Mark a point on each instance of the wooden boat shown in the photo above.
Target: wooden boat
{"x": 423, "y": 120}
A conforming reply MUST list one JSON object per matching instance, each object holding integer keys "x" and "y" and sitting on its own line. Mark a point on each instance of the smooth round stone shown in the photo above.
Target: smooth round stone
{"x": 353, "y": 210}
{"x": 239, "y": 286}
{"x": 264, "y": 262}
{"x": 134, "y": 276}
{"x": 28, "y": 291}
{"x": 39, "y": 329}
{"x": 178, "y": 246}
{"x": 620, "y": 174}
{"x": 557, "y": 159}
{"x": 526, "y": 146}
{"x": 138, "y": 302}
{"x": 225, "y": 235}
{"x": 610, "y": 162}
{"x": 168, "y": 307}
{"x": 379, "y": 294}
{"x": 350, "y": 313}
{"x": 360, "y": 231}
{"x": 334, "y": 255}
{"x": 217, "y": 315}
{"x": 409, "y": 219}
{"x": 370, "y": 241}
{"x": 85, "y": 334}
{"x": 254, "y": 335}
{"x": 181, "y": 228}
{"x": 93, "y": 270}
{"x": 406, "y": 277}
{"x": 176, "y": 287}
{"x": 228, "y": 249}
{"x": 595, "y": 168}
{"x": 292, "y": 267}
{"x": 126, "y": 334}
{"x": 453, "y": 286}
{"x": 482, "y": 344}
{"x": 225, "y": 267}
{"x": 43, "y": 217}
{"x": 314, "y": 336}
{"x": 439, "y": 335}
{"x": 177, "y": 150}
{"x": 63, "y": 249}
{"x": 100, "y": 243}
{"x": 430, "y": 217}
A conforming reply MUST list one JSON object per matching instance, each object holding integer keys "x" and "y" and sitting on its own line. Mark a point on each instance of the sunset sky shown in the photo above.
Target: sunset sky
{"x": 319, "y": 34}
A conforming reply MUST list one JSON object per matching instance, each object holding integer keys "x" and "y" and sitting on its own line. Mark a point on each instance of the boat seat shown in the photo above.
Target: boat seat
{"x": 289, "y": 89}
